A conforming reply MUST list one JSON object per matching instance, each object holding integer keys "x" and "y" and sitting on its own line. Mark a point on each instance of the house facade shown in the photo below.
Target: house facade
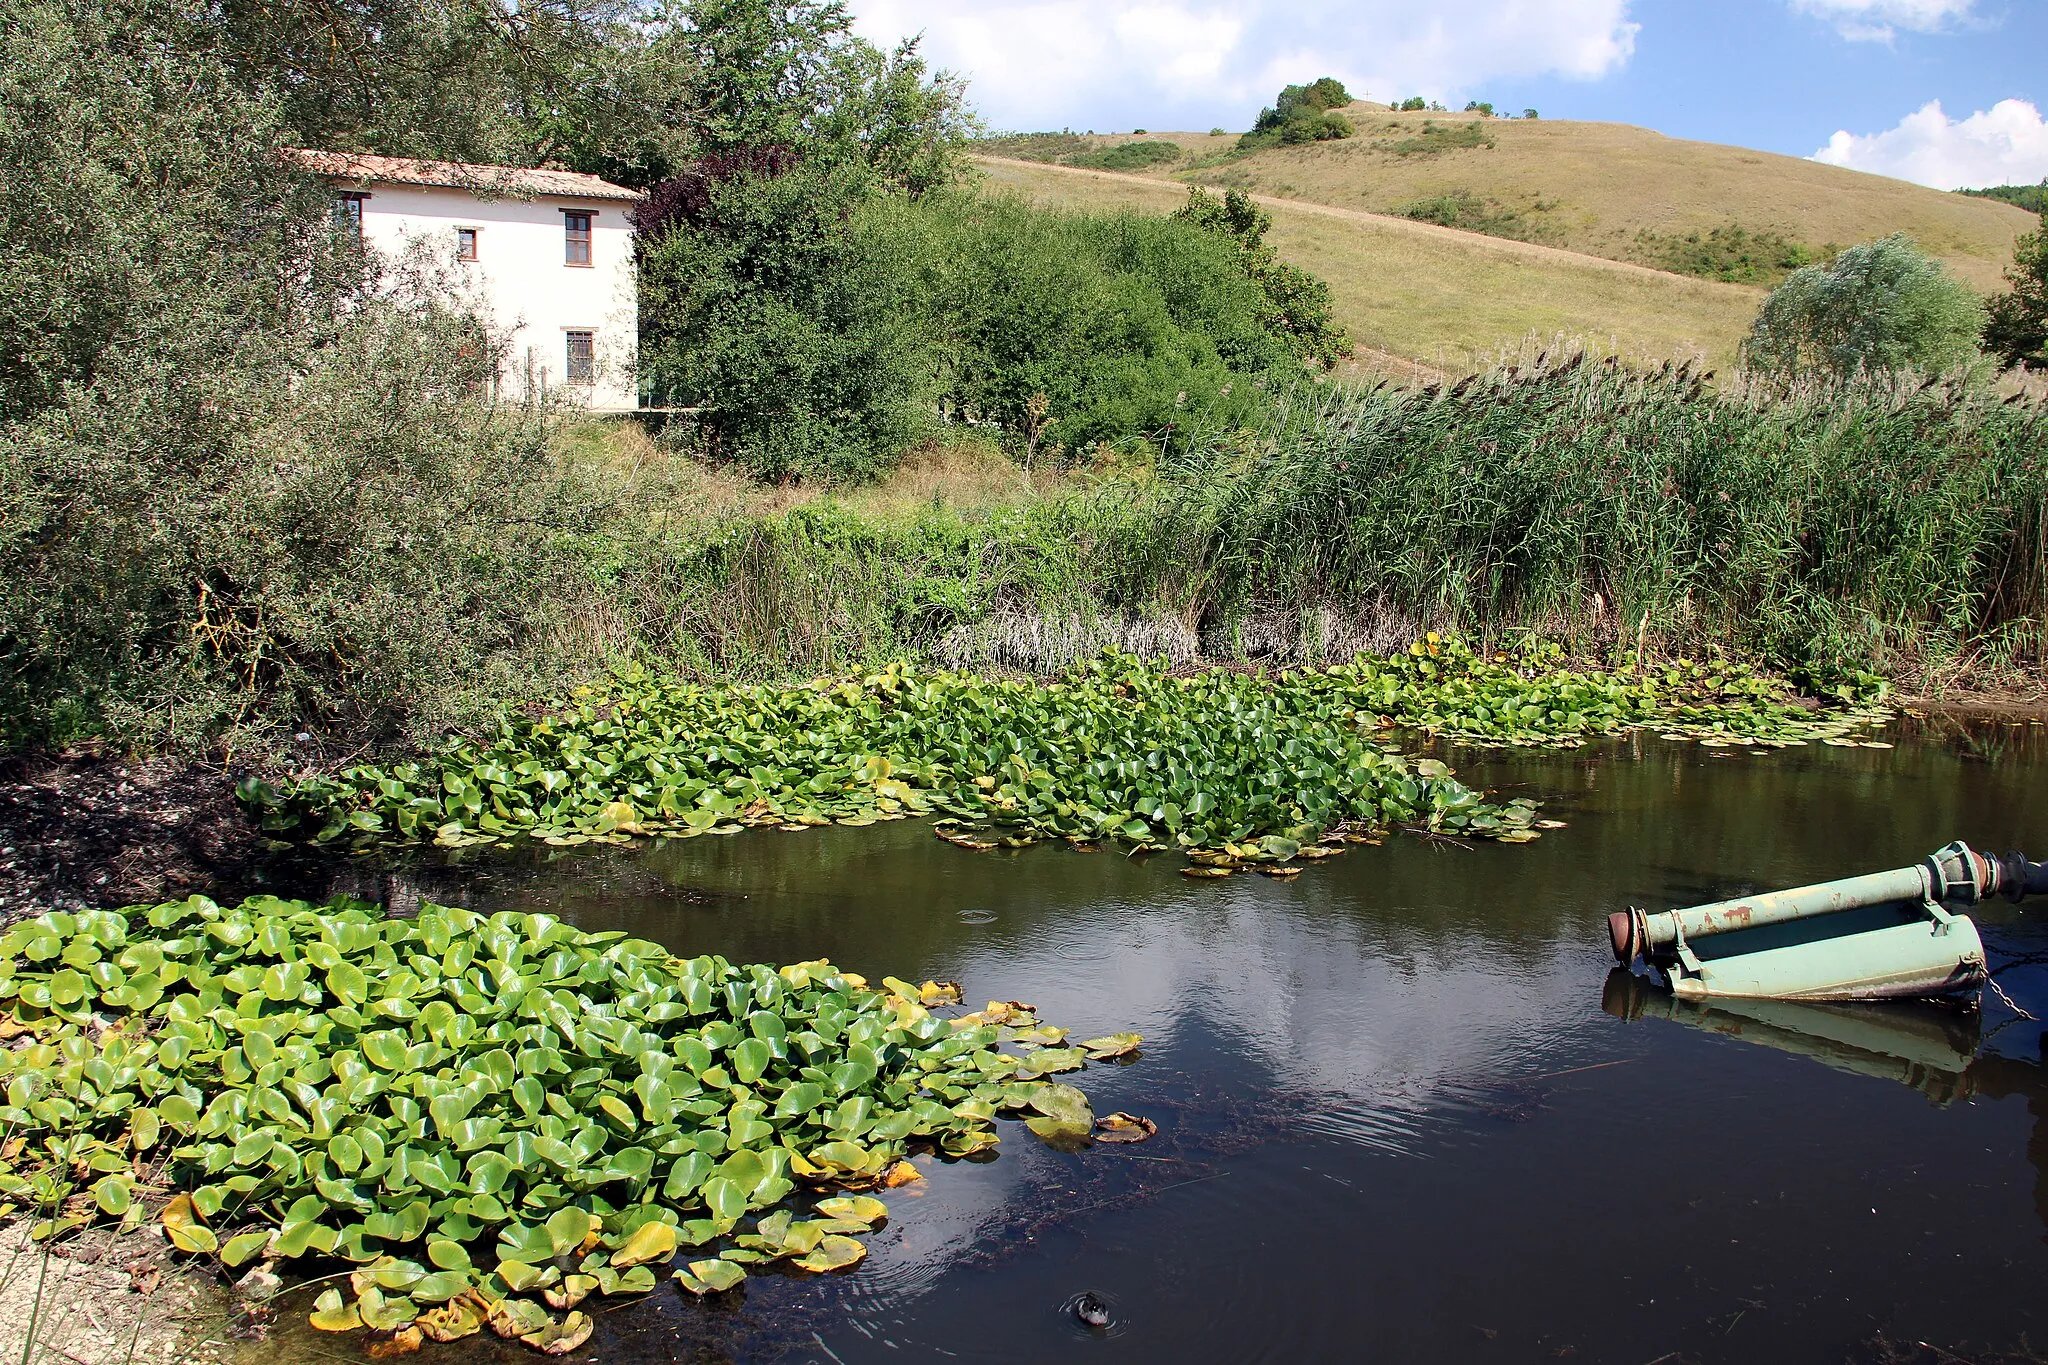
{"x": 546, "y": 255}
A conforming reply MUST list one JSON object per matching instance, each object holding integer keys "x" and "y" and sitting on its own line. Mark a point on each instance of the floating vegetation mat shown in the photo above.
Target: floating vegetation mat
{"x": 486, "y": 1120}
{"x": 1229, "y": 767}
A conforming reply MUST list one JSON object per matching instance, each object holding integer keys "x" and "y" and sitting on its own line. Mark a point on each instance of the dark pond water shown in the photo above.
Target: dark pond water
{"x": 1396, "y": 1122}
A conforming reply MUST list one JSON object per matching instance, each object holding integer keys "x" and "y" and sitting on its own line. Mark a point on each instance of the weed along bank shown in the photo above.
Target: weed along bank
{"x": 545, "y": 256}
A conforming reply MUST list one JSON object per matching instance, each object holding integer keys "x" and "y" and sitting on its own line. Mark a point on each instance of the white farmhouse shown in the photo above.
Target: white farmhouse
{"x": 548, "y": 256}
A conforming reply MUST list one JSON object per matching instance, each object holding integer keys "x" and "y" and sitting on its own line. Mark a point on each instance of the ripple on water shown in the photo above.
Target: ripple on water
{"x": 977, "y": 916}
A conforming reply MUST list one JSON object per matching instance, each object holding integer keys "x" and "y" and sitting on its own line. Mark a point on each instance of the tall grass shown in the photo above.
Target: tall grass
{"x": 1622, "y": 510}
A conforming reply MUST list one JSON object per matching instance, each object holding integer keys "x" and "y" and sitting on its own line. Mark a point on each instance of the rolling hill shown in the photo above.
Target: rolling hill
{"x": 1554, "y": 226}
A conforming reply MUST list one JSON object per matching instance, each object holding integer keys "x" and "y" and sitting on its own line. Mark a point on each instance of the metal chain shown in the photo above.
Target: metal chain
{"x": 2010, "y": 1003}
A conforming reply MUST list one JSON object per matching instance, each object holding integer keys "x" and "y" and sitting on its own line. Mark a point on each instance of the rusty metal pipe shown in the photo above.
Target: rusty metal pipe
{"x": 1955, "y": 875}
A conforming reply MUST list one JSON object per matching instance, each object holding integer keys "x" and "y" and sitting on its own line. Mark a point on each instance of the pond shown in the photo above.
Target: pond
{"x": 1404, "y": 1113}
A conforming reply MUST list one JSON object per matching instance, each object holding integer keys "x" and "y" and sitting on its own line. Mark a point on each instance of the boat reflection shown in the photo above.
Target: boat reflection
{"x": 1923, "y": 1045}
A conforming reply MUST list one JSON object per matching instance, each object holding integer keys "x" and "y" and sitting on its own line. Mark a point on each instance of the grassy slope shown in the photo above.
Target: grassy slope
{"x": 1607, "y": 181}
{"x": 1442, "y": 297}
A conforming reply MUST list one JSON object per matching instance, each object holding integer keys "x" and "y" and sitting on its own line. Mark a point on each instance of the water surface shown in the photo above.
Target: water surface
{"x": 1396, "y": 1122}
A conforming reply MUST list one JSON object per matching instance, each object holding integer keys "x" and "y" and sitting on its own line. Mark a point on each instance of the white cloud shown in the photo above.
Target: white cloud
{"x": 2006, "y": 144}
{"x": 1110, "y": 64}
{"x": 1881, "y": 20}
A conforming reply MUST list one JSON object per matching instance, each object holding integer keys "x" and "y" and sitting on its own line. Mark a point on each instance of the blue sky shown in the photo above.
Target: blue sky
{"x": 1946, "y": 92}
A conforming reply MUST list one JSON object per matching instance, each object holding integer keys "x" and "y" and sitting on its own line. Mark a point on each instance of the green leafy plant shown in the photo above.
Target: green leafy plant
{"x": 1436, "y": 138}
{"x": 1297, "y": 303}
{"x": 486, "y": 1117}
{"x": 1218, "y": 765}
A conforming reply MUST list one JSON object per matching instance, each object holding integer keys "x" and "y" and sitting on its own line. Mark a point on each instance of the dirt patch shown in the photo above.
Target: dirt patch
{"x": 105, "y": 1299}
{"x": 89, "y": 827}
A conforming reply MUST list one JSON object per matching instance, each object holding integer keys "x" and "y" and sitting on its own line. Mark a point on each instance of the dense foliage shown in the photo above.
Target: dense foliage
{"x": 482, "y": 1114}
{"x": 1881, "y": 311}
{"x": 824, "y": 331}
{"x": 1297, "y": 303}
{"x": 2016, "y": 322}
{"x": 1301, "y": 114}
{"x": 1129, "y": 156}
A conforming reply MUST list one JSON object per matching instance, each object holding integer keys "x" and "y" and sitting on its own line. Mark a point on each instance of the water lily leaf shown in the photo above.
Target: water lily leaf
{"x": 573, "y": 1290}
{"x": 859, "y": 1208}
{"x": 902, "y": 1173}
{"x": 519, "y": 1277}
{"x": 1058, "y": 1133}
{"x": 240, "y": 1249}
{"x": 452, "y": 1321}
{"x": 560, "y": 1338}
{"x": 1122, "y": 1127}
{"x": 512, "y": 1318}
{"x": 113, "y": 1194}
{"x": 331, "y": 1314}
{"x": 385, "y": 1313}
{"x": 1112, "y": 1045}
{"x": 710, "y": 1277}
{"x": 833, "y": 1253}
{"x": 1064, "y": 1103}
{"x": 651, "y": 1242}
{"x": 726, "y": 1199}
{"x": 1047, "y": 1061}
{"x": 181, "y": 1224}
{"x": 1205, "y": 871}
{"x": 567, "y": 1228}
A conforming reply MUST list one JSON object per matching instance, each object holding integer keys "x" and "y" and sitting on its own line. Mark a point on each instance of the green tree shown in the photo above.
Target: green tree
{"x": 2016, "y": 323}
{"x": 1876, "y": 311}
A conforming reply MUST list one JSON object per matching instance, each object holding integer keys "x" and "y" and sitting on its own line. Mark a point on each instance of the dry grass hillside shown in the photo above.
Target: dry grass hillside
{"x": 1605, "y": 189}
{"x": 1420, "y": 298}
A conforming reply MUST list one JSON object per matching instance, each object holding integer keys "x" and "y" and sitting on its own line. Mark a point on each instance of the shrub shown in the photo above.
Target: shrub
{"x": 1731, "y": 253}
{"x": 1118, "y": 325}
{"x": 1413, "y": 104}
{"x": 1877, "y": 311}
{"x": 1477, "y": 107}
{"x": 1436, "y": 138}
{"x": 1129, "y": 156}
{"x": 1468, "y": 212}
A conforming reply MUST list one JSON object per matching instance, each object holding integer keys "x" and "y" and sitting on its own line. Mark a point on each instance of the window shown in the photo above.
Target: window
{"x": 582, "y": 366}
{"x": 348, "y": 209}
{"x": 576, "y": 246}
{"x": 465, "y": 244}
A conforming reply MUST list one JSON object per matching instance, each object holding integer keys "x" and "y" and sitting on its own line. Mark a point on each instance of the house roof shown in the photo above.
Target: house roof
{"x": 363, "y": 169}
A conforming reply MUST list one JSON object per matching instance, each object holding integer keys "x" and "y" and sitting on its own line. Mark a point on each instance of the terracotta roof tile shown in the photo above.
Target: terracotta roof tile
{"x": 360, "y": 168}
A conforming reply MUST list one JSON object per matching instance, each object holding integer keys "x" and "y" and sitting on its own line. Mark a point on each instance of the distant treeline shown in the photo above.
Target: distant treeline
{"x": 2032, "y": 198}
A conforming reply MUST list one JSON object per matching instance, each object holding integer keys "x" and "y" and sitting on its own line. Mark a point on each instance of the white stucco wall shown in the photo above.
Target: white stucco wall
{"x": 521, "y": 280}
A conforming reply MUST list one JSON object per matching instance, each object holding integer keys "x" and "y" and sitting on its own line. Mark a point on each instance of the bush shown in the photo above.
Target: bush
{"x": 1413, "y": 104}
{"x": 1120, "y": 326}
{"x": 1130, "y": 156}
{"x": 1879, "y": 312}
{"x": 1731, "y": 253}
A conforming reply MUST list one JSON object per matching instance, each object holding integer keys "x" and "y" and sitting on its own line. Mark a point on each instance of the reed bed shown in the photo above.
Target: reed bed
{"x": 1624, "y": 512}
